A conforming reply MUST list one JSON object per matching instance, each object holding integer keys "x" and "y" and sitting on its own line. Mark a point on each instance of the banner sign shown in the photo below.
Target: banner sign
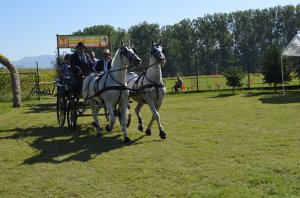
{"x": 90, "y": 41}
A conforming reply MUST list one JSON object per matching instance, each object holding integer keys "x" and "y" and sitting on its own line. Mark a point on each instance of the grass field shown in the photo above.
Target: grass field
{"x": 217, "y": 146}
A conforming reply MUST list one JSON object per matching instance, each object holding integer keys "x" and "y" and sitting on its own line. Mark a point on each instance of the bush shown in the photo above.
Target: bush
{"x": 234, "y": 76}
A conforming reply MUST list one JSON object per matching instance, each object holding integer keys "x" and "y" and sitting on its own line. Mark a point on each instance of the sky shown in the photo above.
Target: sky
{"x": 29, "y": 27}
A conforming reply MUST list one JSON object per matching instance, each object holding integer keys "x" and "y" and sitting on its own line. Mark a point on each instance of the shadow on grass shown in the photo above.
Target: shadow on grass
{"x": 263, "y": 93}
{"x": 58, "y": 145}
{"x": 40, "y": 108}
{"x": 277, "y": 98}
{"x": 222, "y": 95}
{"x": 291, "y": 97}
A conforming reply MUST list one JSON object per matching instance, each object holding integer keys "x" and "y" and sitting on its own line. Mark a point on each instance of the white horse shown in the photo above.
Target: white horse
{"x": 110, "y": 89}
{"x": 149, "y": 88}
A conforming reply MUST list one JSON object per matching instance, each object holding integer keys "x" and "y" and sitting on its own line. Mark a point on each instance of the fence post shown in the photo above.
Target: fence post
{"x": 38, "y": 81}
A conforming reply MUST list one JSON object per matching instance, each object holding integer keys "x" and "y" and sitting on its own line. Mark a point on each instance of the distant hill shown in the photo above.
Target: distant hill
{"x": 44, "y": 61}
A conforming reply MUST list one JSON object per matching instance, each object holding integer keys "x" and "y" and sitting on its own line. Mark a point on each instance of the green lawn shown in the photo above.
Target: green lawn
{"x": 217, "y": 146}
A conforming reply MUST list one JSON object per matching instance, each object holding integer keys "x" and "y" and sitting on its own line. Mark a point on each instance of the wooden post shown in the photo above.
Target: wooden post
{"x": 197, "y": 74}
{"x": 38, "y": 81}
{"x": 15, "y": 79}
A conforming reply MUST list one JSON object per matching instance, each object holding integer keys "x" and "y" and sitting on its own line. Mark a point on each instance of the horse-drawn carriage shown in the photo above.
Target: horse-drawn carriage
{"x": 110, "y": 91}
{"x": 70, "y": 106}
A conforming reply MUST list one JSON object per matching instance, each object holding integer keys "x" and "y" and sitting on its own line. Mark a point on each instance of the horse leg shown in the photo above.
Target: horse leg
{"x": 95, "y": 110}
{"x": 155, "y": 116}
{"x": 110, "y": 110}
{"x": 162, "y": 134}
{"x": 123, "y": 109}
{"x": 137, "y": 112}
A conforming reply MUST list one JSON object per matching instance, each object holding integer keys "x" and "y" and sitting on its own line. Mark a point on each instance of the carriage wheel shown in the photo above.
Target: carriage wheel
{"x": 128, "y": 115}
{"x": 72, "y": 115}
{"x": 61, "y": 109}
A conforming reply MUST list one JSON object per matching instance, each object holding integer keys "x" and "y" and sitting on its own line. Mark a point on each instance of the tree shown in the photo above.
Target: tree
{"x": 16, "y": 90}
{"x": 271, "y": 68}
{"x": 141, "y": 36}
{"x": 116, "y": 36}
{"x": 234, "y": 76}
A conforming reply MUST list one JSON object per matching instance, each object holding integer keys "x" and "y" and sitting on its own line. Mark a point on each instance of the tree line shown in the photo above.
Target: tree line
{"x": 211, "y": 44}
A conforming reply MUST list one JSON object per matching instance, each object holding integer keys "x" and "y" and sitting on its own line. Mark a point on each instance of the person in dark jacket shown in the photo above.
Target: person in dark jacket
{"x": 80, "y": 60}
{"x": 104, "y": 64}
{"x": 81, "y": 64}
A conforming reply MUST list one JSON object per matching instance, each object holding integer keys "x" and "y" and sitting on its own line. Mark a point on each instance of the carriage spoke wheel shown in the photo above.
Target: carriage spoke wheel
{"x": 61, "y": 109}
{"x": 72, "y": 115}
{"x": 128, "y": 115}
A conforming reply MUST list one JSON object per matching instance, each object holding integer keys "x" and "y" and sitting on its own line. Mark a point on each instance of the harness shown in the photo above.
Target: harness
{"x": 152, "y": 84}
{"x": 105, "y": 88}
{"x": 141, "y": 89}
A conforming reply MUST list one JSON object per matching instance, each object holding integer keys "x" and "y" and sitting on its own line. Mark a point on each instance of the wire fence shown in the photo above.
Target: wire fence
{"x": 35, "y": 85}
{"x": 218, "y": 83}
{"x": 29, "y": 84}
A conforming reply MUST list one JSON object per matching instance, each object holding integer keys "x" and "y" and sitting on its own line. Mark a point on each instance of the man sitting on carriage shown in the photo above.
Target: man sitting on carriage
{"x": 81, "y": 65}
{"x": 104, "y": 64}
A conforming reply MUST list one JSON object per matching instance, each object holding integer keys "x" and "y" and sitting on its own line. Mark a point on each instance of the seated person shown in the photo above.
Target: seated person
{"x": 104, "y": 64}
{"x": 93, "y": 58}
{"x": 66, "y": 73}
{"x": 178, "y": 84}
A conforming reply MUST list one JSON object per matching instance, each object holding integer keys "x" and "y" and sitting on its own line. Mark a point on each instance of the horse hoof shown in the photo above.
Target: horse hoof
{"x": 127, "y": 140}
{"x": 141, "y": 128}
{"x": 162, "y": 135}
{"x": 148, "y": 132}
{"x": 108, "y": 129}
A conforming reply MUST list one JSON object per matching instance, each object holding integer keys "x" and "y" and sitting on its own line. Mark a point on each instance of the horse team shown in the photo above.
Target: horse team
{"x": 116, "y": 86}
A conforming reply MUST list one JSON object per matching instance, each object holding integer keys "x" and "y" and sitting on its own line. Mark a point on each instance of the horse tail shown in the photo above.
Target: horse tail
{"x": 86, "y": 83}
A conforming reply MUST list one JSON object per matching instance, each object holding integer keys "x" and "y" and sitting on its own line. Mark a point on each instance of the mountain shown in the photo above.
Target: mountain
{"x": 44, "y": 61}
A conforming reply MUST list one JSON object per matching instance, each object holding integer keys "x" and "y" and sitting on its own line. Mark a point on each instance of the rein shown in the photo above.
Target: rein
{"x": 120, "y": 86}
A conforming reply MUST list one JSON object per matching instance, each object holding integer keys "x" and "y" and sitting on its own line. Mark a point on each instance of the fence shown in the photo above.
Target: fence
{"x": 218, "y": 82}
{"x": 29, "y": 84}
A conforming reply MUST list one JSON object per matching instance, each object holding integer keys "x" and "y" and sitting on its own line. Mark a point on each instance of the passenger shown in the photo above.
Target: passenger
{"x": 66, "y": 72}
{"x": 93, "y": 59}
{"x": 104, "y": 64}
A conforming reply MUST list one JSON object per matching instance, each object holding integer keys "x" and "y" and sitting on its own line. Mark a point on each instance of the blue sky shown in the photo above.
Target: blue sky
{"x": 31, "y": 26}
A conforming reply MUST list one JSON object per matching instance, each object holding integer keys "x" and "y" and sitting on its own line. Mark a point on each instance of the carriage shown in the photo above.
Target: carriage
{"x": 111, "y": 92}
{"x": 69, "y": 103}
{"x": 70, "y": 106}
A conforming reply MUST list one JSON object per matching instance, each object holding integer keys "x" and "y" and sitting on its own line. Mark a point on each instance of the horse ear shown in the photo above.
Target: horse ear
{"x": 160, "y": 42}
{"x": 152, "y": 42}
{"x": 122, "y": 43}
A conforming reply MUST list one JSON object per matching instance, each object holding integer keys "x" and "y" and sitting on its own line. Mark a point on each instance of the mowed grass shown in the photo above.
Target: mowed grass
{"x": 217, "y": 146}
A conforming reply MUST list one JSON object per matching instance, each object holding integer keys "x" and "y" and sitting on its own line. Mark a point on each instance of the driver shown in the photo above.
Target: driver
{"x": 81, "y": 64}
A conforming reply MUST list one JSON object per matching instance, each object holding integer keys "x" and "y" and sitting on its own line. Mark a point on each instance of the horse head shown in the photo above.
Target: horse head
{"x": 129, "y": 56}
{"x": 158, "y": 53}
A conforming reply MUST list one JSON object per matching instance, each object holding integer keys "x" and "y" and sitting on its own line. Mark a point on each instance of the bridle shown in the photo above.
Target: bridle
{"x": 155, "y": 52}
{"x": 123, "y": 53}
